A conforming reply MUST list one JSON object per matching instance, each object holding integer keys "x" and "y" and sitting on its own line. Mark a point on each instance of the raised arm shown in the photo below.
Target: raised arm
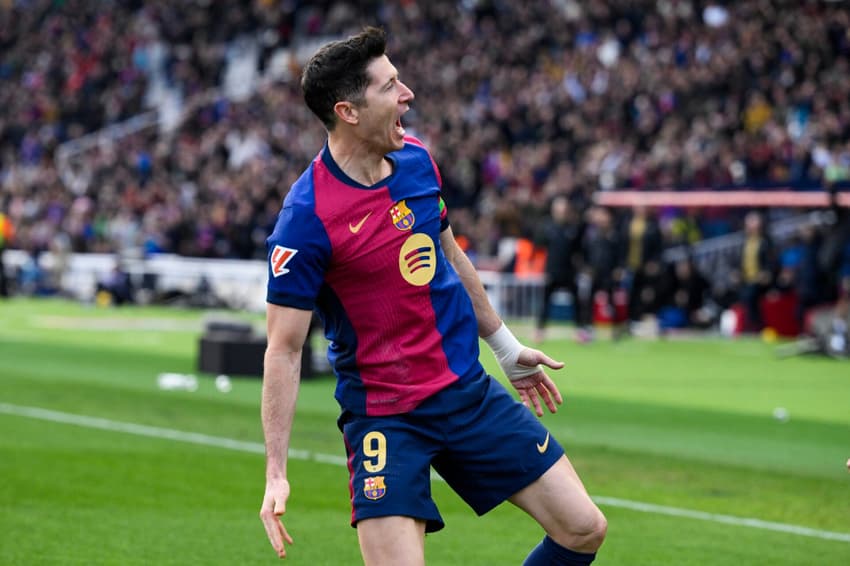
{"x": 287, "y": 330}
{"x": 520, "y": 364}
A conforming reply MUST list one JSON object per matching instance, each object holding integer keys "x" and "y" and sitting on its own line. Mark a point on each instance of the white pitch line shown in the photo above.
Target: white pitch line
{"x": 718, "y": 518}
{"x": 296, "y": 454}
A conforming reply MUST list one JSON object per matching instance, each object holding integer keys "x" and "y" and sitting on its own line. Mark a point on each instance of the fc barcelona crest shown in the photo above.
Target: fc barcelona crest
{"x": 402, "y": 216}
{"x": 374, "y": 488}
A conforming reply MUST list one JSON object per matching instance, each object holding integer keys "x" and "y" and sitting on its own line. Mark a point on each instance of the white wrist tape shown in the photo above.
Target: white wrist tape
{"x": 507, "y": 348}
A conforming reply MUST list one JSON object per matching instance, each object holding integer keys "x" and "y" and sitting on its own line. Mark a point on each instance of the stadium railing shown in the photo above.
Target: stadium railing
{"x": 513, "y": 297}
{"x": 234, "y": 283}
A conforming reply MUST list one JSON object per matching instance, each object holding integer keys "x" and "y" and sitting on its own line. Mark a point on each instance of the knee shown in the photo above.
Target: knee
{"x": 599, "y": 530}
{"x": 586, "y": 534}
{"x": 593, "y": 531}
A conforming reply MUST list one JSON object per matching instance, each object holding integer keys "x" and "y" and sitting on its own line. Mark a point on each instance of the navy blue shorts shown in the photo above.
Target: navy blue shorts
{"x": 482, "y": 441}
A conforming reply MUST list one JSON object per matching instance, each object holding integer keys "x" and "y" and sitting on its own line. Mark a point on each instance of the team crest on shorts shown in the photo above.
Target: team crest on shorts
{"x": 374, "y": 488}
{"x": 402, "y": 216}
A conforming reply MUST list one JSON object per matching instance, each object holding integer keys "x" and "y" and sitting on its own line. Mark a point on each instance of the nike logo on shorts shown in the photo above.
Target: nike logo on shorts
{"x": 542, "y": 447}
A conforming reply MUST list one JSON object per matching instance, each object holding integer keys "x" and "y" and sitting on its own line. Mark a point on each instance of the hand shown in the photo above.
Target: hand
{"x": 538, "y": 385}
{"x": 274, "y": 505}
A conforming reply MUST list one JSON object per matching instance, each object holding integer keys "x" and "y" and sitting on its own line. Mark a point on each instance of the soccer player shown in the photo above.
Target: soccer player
{"x": 364, "y": 238}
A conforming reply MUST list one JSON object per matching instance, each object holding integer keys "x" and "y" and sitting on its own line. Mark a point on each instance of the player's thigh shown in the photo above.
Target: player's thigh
{"x": 494, "y": 449}
{"x": 560, "y": 503}
{"x": 392, "y": 541}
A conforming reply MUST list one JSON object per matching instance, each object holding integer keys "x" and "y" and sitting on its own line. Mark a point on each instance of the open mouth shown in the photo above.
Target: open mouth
{"x": 398, "y": 127}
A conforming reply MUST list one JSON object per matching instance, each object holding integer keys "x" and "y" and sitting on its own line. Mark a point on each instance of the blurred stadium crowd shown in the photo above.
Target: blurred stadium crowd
{"x": 519, "y": 102}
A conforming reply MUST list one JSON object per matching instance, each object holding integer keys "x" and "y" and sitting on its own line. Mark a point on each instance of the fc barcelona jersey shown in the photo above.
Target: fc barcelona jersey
{"x": 400, "y": 323}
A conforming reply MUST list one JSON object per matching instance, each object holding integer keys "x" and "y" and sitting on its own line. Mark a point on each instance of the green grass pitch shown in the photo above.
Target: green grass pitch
{"x": 683, "y": 424}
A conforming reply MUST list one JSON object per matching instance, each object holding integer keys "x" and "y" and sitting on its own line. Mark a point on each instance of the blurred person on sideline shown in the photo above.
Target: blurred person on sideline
{"x": 642, "y": 238}
{"x": 648, "y": 290}
{"x": 602, "y": 272}
{"x": 364, "y": 237}
{"x": 687, "y": 304}
{"x": 799, "y": 271}
{"x": 756, "y": 268}
{"x": 831, "y": 326}
{"x": 560, "y": 235}
{"x": 7, "y": 233}
{"x": 116, "y": 287}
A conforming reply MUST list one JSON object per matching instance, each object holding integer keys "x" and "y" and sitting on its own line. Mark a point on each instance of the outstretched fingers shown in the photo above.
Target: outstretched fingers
{"x": 547, "y": 398}
{"x": 270, "y": 513}
{"x": 535, "y": 387}
{"x": 535, "y": 400}
{"x": 552, "y": 393}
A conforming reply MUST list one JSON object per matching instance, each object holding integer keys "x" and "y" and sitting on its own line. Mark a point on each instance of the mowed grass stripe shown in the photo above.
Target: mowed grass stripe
{"x": 258, "y": 448}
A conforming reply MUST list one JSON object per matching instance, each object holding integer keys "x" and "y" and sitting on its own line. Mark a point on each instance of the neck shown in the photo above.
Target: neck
{"x": 358, "y": 160}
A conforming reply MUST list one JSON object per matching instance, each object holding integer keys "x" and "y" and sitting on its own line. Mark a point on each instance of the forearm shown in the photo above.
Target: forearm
{"x": 281, "y": 378}
{"x": 501, "y": 340}
{"x": 488, "y": 319}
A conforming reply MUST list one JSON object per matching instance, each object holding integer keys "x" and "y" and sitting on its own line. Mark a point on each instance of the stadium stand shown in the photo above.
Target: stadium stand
{"x": 518, "y": 101}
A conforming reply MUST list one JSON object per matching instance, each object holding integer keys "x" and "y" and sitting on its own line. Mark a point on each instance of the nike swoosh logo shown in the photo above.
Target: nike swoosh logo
{"x": 542, "y": 447}
{"x": 356, "y": 227}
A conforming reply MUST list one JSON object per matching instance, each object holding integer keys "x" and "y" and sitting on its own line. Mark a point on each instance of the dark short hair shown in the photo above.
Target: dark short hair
{"x": 337, "y": 71}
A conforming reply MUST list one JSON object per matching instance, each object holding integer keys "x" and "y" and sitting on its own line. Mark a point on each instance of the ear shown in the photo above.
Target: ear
{"x": 347, "y": 112}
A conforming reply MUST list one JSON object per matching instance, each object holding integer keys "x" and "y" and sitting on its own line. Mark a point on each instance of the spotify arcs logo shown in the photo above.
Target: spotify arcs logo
{"x": 417, "y": 259}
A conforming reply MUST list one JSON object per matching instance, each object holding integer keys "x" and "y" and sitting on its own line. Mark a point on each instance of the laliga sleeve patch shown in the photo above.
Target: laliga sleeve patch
{"x": 279, "y": 258}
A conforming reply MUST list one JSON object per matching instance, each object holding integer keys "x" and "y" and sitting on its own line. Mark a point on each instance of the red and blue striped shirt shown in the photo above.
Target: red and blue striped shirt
{"x": 400, "y": 323}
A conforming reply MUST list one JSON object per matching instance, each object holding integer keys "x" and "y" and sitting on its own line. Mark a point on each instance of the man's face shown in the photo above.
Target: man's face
{"x": 560, "y": 210}
{"x": 752, "y": 223}
{"x": 386, "y": 99}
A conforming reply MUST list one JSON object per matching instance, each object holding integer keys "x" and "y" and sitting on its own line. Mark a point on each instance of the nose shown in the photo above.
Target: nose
{"x": 406, "y": 94}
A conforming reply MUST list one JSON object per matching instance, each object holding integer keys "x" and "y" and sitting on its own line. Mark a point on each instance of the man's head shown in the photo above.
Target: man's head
{"x": 337, "y": 72}
{"x": 753, "y": 223}
{"x": 352, "y": 83}
{"x": 560, "y": 209}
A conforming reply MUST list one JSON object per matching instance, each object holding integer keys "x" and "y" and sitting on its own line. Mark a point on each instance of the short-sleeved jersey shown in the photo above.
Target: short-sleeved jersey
{"x": 400, "y": 323}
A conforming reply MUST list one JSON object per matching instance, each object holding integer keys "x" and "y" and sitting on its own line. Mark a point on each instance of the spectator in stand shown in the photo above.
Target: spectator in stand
{"x": 623, "y": 93}
{"x": 560, "y": 236}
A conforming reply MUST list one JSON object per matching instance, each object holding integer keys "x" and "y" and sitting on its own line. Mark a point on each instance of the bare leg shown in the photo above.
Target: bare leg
{"x": 392, "y": 541}
{"x": 558, "y": 501}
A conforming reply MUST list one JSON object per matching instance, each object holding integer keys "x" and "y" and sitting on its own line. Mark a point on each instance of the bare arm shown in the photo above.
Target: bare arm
{"x": 531, "y": 385}
{"x": 488, "y": 319}
{"x": 287, "y": 330}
